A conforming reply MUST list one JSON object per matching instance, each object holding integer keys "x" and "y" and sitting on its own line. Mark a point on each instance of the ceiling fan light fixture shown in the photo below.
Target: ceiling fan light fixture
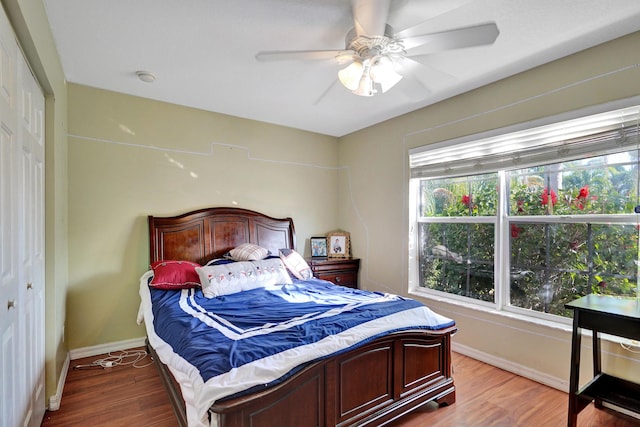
{"x": 365, "y": 86}
{"x": 351, "y": 75}
{"x": 383, "y": 72}
{"x": 361, "y": 77}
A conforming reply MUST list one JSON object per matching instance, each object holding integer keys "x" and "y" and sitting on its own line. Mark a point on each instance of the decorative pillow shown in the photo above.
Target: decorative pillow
{"x": 225, "y": 279}
{"x": 219, "y": 261}
{"x": 174, "y": 275}
{"x": 248, "y": 252}
{"x": 296, "y": 264}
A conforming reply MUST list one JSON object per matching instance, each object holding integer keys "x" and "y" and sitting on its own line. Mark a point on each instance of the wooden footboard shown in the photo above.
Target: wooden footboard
{"x": 368, "y": 386}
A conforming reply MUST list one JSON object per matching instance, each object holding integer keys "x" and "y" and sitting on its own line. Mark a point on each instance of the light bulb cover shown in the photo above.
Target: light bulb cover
{"x": 350, "y": 75}
{"x": 383, "y": 72}
{"x": 365, "y": 86}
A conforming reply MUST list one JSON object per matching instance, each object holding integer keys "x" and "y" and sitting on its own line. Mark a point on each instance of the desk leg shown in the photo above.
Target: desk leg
{"x": 574, "y": 377}
{"x": 597, "y": 366}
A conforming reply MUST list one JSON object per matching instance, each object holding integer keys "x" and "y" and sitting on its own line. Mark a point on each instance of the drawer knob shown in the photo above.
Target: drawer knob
{"x": 337, "y": 279}
{"x": 11, "y": 304}
{"x": 29, "y": 285}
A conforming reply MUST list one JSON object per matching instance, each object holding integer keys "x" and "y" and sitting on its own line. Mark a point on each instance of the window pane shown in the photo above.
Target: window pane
{"x": 458, "y": 259}
{"x": 552, "y": 264}
{"x": 464, "y": 196}
{"x": 598, "y": 185}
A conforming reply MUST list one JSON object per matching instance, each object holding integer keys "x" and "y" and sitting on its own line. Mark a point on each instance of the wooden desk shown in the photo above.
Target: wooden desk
{"x": 611, "y": 315}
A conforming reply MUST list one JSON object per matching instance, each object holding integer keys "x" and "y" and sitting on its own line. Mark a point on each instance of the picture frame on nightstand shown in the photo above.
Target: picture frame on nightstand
{"x": 338, "y": 244}
{"x": 318, "y": 246}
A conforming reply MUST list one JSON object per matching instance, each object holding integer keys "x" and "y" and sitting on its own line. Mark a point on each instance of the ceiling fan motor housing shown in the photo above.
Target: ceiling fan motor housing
{"x": 370, "y": 46}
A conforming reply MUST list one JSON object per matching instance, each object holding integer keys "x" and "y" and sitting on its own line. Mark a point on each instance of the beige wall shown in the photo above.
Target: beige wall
{"x": 374, "y": 201}
{"x": 130, "y": 157}
{"x": 29, "y": 21}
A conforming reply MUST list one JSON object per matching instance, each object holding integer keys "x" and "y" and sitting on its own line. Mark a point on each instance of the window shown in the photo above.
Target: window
{"x": 456, "y": 235}
{"x": 529, "y": 220}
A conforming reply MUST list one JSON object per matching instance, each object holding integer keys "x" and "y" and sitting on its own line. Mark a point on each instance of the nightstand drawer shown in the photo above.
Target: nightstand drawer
{"x": 343, "y": 278}
{"x": 341, "y": 271}
{"x": 330, "y": 265}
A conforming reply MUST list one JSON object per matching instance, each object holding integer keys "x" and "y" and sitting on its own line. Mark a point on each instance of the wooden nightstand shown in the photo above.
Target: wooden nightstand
{"x": 341, "y": 271}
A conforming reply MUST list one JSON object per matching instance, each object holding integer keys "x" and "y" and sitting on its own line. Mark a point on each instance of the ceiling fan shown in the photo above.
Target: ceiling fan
{"x": 377, "y": 57}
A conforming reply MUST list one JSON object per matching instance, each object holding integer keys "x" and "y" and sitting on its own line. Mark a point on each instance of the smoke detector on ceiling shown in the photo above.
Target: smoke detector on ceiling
{"x": 146, "y": 76}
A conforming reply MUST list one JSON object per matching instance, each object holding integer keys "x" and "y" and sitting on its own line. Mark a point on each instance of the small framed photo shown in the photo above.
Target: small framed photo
{"x": 318, "y": 246}
{"x": 338, "y": 244}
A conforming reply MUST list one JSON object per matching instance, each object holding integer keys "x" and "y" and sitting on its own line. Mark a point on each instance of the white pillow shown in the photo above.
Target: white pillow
{"x": 296, "y": 264}
{"x": 248, "y": 252}
{"x": 225, "y": 279}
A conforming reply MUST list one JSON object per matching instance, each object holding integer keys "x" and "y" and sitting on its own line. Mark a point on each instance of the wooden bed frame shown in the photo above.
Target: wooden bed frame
{"x": 371, "y": 385}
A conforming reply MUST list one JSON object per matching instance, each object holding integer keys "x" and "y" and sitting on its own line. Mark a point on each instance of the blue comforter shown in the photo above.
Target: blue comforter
{"x": 255, "y": 338}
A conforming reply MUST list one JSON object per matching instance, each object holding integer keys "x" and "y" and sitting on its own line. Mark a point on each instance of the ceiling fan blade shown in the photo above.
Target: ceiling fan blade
{"x": 424, "y": 16}
{"x": 416, "y": 74}
{"x": 330, "y": 88}
{"x": 370, "y": 16}
{"x": 341, "y": 56}
{"x": 477, "y": 35}
{"x": 413, "y": 88}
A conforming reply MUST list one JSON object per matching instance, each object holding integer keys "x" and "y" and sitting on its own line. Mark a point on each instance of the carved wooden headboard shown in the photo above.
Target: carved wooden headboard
{"x": 205, "y": 234}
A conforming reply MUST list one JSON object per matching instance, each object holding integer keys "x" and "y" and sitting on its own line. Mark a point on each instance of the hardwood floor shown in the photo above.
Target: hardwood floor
{"x": 114, "y": 397}
{"x": 488, "y": 396}
{"x": 485, "y": 396}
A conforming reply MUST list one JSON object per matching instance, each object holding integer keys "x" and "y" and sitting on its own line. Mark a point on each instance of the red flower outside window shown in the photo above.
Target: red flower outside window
{"x": 515, "y": 231}
{"x": 545, "y": 197}
{"x": 584, "y": 192}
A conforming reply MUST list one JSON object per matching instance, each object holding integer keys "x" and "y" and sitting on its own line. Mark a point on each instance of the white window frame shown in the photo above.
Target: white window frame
{"x": 501, "y": 221}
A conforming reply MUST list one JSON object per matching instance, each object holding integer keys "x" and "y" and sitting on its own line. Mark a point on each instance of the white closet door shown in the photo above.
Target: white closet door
{"x": 31, "y": 243}
{"x": 22, "y": 358}
{"x": 10, "y": 366}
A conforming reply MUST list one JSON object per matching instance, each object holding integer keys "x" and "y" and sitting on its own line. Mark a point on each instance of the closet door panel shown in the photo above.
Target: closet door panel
{"x": 10, "y": 365}
{"x": 31, "y": 284}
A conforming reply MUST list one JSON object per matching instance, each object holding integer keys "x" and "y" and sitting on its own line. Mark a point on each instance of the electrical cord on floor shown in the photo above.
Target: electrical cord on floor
{"x": 118, "y": 358}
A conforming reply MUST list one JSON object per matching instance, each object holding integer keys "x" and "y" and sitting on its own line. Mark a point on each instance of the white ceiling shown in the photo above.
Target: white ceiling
{"x": 203, "y": 51}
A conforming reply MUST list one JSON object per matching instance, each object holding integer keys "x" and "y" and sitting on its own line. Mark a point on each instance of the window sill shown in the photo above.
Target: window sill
{"x": 490, "y": 310}
{"x": 568, "y": 328}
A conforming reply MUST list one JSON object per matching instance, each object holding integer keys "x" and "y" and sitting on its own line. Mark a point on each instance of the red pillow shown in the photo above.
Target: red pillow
{"x": 175, "y": 275}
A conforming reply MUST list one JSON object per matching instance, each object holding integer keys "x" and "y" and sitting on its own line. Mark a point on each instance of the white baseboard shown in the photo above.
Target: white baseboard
{"x": 79, "y": 353}
{"x": 54, "y": 401}
{"x": 507, "y": 365}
